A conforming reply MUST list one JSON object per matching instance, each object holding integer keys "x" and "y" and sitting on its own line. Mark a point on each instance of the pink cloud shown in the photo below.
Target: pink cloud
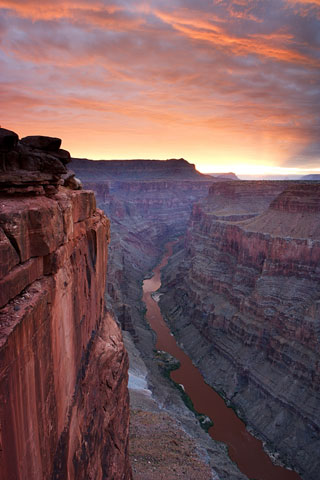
{"x": 275, "y": 45}
{"x": 48, "y": 10}
{"x": 223, "y": 69}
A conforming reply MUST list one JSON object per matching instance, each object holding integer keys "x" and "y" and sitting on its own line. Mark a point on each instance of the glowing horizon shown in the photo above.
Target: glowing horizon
{"x": 248, "y": 170}
{"x": 227, "y": 85}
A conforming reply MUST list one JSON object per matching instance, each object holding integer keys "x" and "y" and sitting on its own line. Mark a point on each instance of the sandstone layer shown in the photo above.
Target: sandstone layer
{"x": 63, "y": 367}
{"x": 242, "y": 295}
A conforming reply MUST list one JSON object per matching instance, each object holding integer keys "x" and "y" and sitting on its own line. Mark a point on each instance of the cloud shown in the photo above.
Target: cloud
{"x": 240, "y": 69}
{"x": 48, "y": 10}
{"x": 304, "y": 2}
{"x": 276, "y": 45}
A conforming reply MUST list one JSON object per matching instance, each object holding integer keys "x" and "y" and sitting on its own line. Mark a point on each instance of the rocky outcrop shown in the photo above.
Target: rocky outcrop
{"x": 243, "y": 296}
{"x": 32, "y": 165}
{"x": 63, "y": 366}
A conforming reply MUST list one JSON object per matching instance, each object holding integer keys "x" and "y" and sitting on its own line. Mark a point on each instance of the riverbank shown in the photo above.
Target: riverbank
{"x": 157, "y": 406}
{"x": 160, "y": 448}
{"x": 244, "y": 449}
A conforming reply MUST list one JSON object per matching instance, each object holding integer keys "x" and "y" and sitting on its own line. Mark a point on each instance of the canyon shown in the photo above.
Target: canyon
{"x": 144, "y": 214}
{"x": 240, "y": 293}
{"x": 234, "y": 300}
{"x": 148, "y": 202}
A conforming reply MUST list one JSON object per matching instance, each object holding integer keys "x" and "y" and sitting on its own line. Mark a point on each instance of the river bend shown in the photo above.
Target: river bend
{"x": 244, "y": 449}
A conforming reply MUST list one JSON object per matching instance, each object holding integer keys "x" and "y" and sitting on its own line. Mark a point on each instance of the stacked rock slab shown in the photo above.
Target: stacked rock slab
{"x": 63, "y": 367}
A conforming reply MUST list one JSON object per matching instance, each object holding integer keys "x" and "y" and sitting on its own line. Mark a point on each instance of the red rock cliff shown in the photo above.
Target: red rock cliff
{"x": 63, "y": 367}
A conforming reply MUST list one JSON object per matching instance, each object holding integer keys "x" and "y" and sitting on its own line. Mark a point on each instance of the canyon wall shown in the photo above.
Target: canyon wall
{"x": 145, "y": 213}
{"x": 64, "y": 407}
{"x": 148, "y": 202}
{"x": 242, "y": 294}
{"x": 208, "y": 285}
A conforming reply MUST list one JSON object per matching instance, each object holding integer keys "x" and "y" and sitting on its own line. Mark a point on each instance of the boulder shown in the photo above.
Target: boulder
{"x": 41, "y": 142}
{"x": 34, "y": 165}
{"x": 70, "y": 181}
{"x": 8, "y": 139}
{"x": 63, "y": 155}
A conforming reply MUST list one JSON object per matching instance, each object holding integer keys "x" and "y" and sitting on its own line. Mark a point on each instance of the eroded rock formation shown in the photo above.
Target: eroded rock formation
{"x": 64, "y": 406}
{"x": 148, "y": 202}
{"x": 228, "y": 292}
{"x": 144, "y": 215}
{"x": 243, "y": 296}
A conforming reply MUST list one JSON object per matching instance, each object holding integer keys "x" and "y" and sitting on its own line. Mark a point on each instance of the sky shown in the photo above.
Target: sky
{"x": 227, "y": 85}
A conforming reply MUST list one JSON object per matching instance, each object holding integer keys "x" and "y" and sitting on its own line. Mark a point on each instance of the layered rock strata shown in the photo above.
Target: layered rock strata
{"x": 148, "y": 202}
{"x": 144, "y": 215}
{"x": 243, "y": 296}
{"x": 240, "y": 199}
{"x": 64, "y": 407}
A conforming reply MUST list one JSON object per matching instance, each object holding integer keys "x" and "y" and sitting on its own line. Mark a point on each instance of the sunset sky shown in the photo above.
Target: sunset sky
{"x": 228, "y": 85}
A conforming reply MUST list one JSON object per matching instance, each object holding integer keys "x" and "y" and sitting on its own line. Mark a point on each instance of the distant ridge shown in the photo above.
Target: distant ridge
{"x": 104, "y": 170}
{"x": 313, "y": 176}
{"x": 228, "y": 175}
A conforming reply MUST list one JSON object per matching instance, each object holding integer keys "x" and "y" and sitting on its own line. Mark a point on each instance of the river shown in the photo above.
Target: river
{"x": 244, "y": 449}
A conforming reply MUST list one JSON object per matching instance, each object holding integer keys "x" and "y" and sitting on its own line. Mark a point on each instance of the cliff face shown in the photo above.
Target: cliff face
{"x": 240, "y": 199}
{"x": 63, "y": 367}
{"x": 243, "y": 297}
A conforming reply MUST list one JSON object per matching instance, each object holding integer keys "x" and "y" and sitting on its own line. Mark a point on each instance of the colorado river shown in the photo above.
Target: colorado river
{"x": 244, "y": 449}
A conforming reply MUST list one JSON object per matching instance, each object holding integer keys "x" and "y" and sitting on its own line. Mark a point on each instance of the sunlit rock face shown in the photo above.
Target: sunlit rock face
{"x": 63, "y": 367}
{"x": 243, "y": 296}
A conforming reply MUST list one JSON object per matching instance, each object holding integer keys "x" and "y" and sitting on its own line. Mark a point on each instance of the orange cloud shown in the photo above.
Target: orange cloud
{"x": 172, "y": 81}
{"x": 48, "y": 10}
{"x": 305, "y": 2}
{"x": 257, "y": 44}
{"x": 109, "y": 16}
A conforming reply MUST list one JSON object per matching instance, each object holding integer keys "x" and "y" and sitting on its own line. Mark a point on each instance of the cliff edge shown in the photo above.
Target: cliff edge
{"x": 63, "y": 366}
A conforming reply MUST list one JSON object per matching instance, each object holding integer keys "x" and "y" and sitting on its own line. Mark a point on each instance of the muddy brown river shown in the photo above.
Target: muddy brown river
{"x": 244, "y": 449}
